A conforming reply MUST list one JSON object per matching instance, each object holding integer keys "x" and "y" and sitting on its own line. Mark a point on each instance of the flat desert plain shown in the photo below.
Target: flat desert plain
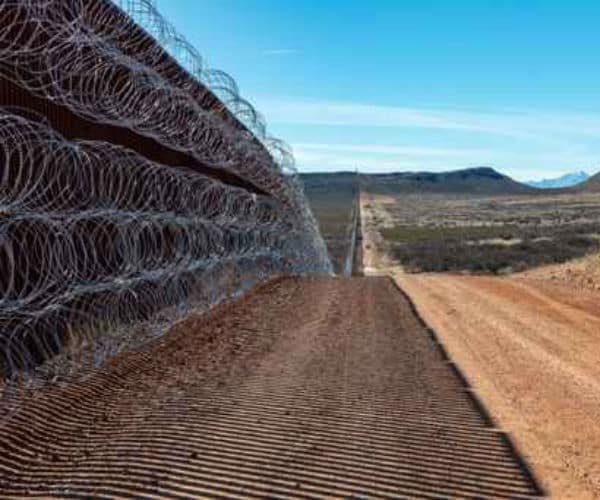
{"x": 528, "y": 342}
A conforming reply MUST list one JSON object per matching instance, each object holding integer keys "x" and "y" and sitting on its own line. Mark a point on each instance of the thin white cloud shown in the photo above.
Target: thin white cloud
{"x": 314, "y": 161}
{"x": 388, "y": 158}
{"x": 387, "y": 149}
{"x": 525, "y": 124}
{"x": 380, "y": 158}
{"x": 525, "y": 143}
{"x": 280, "y": 52}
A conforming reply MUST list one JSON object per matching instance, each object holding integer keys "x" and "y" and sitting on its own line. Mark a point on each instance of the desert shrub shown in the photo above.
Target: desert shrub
{"x": 455, "y": 255}
{"x": 447, "y": 233}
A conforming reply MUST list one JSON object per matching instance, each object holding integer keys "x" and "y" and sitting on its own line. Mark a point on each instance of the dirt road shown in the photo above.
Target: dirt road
{"x": 304, "y": 388}
{"x": 532, "y": 350}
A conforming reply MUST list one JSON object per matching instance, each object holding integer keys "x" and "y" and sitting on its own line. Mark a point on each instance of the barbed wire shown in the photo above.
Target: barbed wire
{"x": 86, "y": 55}
{"x": 93, "y": 234}
{"x": 95, "y": 237}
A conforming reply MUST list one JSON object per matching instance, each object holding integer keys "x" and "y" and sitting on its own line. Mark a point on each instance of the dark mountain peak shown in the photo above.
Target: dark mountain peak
{"x": 482, "y": 180}
{"x": 482, "y": 172}
{"x": 476, "y": 180}
{"x": 592, "y": 185}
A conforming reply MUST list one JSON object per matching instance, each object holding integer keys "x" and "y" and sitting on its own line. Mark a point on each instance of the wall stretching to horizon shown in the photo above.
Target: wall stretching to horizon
{"x": 135, "y": 183}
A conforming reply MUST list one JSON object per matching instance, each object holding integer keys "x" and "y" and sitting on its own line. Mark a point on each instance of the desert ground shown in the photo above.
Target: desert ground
{"x": 528, "y": 342}
{"x": 401, "y": 384}
{"x": 486, "y": 234}
{"x": 305, "y": 387}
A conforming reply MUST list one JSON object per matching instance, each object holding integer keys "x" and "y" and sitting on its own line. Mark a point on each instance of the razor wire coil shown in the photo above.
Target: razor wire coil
{"x": 94, "y": 235}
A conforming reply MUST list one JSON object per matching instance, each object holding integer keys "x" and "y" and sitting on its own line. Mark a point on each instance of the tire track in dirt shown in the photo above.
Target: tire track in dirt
{"x": 319, "y": 388}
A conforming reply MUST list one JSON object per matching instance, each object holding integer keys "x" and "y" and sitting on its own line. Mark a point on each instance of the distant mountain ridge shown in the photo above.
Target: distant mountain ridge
{"x": 592, "y": 185}
{"x": 478, "y": 180}
{"x": 566, "y": 180}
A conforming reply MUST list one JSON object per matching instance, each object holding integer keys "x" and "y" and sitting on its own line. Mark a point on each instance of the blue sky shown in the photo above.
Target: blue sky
{"x": 413, "y": 85}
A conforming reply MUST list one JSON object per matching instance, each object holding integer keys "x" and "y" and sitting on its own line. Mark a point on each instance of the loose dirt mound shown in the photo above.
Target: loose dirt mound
{"x": 306, "y": 387}
{"x": 581, "y": 275}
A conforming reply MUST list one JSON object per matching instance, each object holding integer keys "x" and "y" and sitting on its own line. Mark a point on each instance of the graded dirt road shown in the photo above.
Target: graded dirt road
{"x": 529, "y": 343}
{"x": 531, "y": 349}
{"x": 303, "y": 388}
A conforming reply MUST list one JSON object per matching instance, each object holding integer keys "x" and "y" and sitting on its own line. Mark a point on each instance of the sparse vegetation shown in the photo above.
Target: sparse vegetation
{"x": 456, "y": 255}
{"x": 490, "y": 235}
{"x": 436, "y": 233}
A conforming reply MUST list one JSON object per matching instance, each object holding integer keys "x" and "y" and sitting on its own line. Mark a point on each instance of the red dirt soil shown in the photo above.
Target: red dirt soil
{"x": 324, "y": 387}
{"x": 531, "y": 348}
